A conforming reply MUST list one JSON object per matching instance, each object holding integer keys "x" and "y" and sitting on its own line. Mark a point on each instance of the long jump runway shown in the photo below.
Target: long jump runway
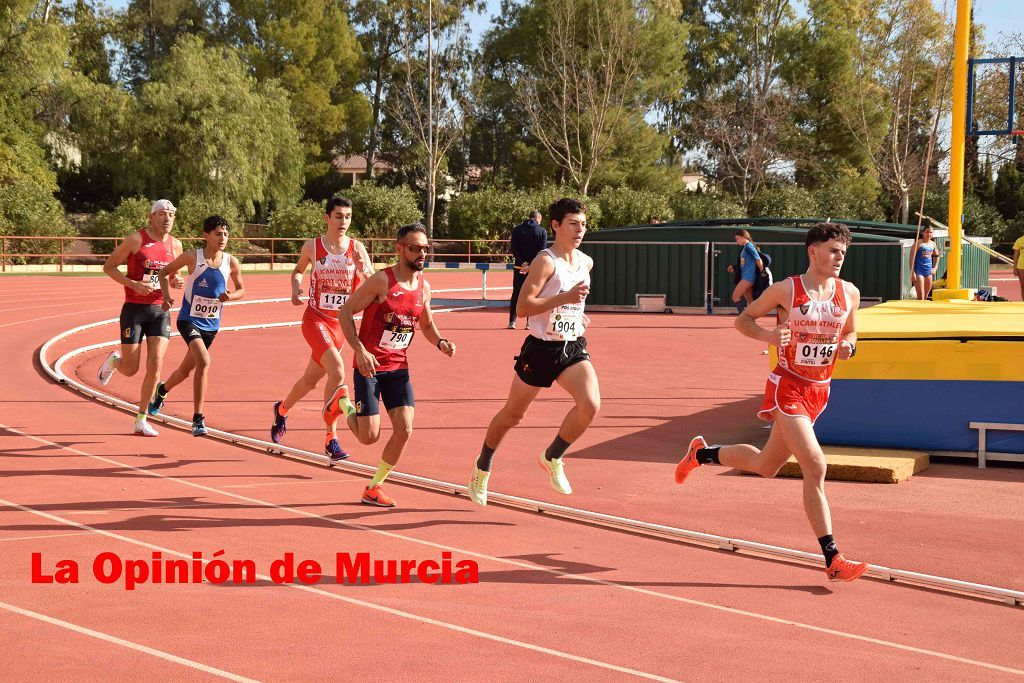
{"x": 555, "y": 598}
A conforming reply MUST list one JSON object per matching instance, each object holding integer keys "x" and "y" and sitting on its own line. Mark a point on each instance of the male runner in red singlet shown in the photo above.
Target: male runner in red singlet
{"x": 142, "y": 315}
{"x": 816, "y": 327}
{"x": 394, "y": 301}
{"x": 340, "y": 263}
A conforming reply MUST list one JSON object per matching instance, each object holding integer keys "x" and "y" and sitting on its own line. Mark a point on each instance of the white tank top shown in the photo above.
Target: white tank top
{"x": 562, "y": 323}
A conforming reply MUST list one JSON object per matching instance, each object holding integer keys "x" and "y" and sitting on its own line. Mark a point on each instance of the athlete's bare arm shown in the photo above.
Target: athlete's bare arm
{"x": 131, "y": 244}
{"x": 541, "y": 270}
{"x": 849, "y": 338}
{"x": 774, "y": 298}
{"x": 183, "y": 261}
{"x": 364, "y": 264}
{"x": 305, "y": 258}
{"x": 177, "y": 281}
{"x": 236, "y": 279}
{"x": 374, "y": 289}
{"x": 913, "y": 257}
{"x": 429, "y": 328}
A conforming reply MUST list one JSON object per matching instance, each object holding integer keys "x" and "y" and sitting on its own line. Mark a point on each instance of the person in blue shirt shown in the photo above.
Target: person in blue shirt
{"x": 922, "y": 263}
{"x": 206, "y": 290}
{"x": 749, "y": 270}
{"x": 528, "y": 240}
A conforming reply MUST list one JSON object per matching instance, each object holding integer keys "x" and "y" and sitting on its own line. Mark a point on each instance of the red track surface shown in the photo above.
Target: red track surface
{"x": 555, "y": 598}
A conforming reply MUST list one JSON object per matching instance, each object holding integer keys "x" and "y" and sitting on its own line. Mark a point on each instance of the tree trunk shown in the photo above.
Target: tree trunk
{"x": 430, "y": 204}
{"x": 904, "y": 205}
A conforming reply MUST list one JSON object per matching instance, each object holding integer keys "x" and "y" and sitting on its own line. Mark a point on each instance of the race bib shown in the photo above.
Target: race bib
{"x": 153, "y": 278}
{"x": 332, "y": 301}
{"x": 565, "y": 323}
{"x": 817, "y": 355}
{"x": 396, "y": 336}
{"x": 203, "y": 307}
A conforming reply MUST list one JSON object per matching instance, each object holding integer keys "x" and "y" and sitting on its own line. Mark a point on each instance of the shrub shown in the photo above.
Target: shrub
{"x": 296, "y": 224}
{"x": 130, "y": 215}
{"x": 379, "y": 211}
{"x": 695, "y": 206}
{"x": 625, "y": 206}
{"x": 27, "y": 208}
{"x": 784, "y": 201}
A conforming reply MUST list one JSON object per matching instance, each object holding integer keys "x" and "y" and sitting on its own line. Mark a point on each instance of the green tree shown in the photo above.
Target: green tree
{"x": 310, "y": 49}
{"x": 696, "y": 206}
{"x": 205, "y": 127}
{"x": 1008, "y": 192}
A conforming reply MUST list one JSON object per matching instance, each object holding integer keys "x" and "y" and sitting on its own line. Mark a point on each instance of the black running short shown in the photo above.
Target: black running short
{"x": 188, "y": 332}
{"x": 393, "y": 386}
{"x": 540, "y": 362}
{"x": 143, "y": 320}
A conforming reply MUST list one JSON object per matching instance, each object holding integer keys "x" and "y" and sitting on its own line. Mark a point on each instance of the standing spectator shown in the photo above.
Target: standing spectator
{"x": 654, "y": 220}
{"x": 528, "y": 240}
{"x": 922, "y": 263}
{"x": 1018, "y": 262}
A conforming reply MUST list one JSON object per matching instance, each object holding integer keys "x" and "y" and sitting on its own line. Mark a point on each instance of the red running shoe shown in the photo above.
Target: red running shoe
{"x": 689, "y": 463}
{"x": 842, "y": 569}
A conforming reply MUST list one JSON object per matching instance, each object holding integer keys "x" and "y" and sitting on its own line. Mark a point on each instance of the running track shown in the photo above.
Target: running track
{"x": 555, "y": 598}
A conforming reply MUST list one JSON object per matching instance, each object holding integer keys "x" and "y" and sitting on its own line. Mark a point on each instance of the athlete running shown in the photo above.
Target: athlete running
{"x": 206, "y": 290}
{"x": 146, "y": 252}
{"x": 816, "y": 327}
{"x": 394, "y": 302}
{"x": 340, "y": 263}
{"x": 552, "y": 299}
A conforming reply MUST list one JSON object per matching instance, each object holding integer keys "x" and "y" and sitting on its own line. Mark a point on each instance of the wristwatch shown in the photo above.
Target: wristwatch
{"x": 853, "y": 350}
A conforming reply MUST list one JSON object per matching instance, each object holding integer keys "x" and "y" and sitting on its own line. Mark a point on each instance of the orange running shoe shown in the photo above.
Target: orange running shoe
{"x": 842, "y": 569}
{"x": 376, "y": 496}
{"x": 689, "y": 463}
{"x": 337, "y": 404}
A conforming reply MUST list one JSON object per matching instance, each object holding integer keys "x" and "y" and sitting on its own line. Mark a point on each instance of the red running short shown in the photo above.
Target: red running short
{"x": 320, "y": 335}
{"x": 793, "y": 397}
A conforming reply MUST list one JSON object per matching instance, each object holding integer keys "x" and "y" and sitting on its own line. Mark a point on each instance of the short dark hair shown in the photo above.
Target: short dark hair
{"x": 823, "y": 232}
{"x": 336, "y": 201}
{"x": 534, "y": 214}
{"x": 412, "y": 227}
{"x": 563, "y": 206}
{"x": 211, "y": 223}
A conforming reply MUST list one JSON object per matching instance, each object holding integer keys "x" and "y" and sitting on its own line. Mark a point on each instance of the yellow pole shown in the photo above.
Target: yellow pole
{"x": 961, "y": 41}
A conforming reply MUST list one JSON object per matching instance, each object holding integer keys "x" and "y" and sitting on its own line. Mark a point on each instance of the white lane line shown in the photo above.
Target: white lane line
{"x": 59, "y": 315}
{"x": 42, "y": 536}
{"x": 524, "y": 565}
{"x": 124, "y": 643}
{"x": 342, "y": 598}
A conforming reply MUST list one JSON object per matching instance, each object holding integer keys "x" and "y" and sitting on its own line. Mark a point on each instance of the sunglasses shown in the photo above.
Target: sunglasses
{"x": 418, "y": 248}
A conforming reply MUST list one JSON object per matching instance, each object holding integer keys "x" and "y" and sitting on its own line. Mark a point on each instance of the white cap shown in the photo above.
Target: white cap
{"x": 162, "y": 205}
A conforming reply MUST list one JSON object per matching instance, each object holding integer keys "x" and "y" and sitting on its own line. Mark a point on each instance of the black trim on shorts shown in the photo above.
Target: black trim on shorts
{"x": 143, "y": 320}
{"x": 188, "y": 332}
{"x": 540, "y": 362}
{"x": 393, "y": 386}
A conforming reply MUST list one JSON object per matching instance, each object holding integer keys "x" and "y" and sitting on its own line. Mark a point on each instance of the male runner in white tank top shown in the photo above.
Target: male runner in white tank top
{"x": 816, "y": 327}
{"x": 552, "y": 299}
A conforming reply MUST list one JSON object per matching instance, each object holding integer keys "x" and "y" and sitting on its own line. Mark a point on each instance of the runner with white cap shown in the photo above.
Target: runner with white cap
{"x": 145, "y": 252}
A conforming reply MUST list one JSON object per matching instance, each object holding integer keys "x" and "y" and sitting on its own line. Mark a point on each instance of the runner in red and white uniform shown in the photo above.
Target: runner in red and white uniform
{"x": 816, "y": 316}
{"x": 339, "y": 263}
{"x": 146, "y": 252}
{"x": 394, "y": 303}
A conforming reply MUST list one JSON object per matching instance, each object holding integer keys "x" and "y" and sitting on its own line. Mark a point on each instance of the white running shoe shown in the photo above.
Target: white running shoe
{"x": 556, "y": 470}
{"x": 106, "y": 370}
{"x": 142, "y": 428}
{"x": 478, "y": 486}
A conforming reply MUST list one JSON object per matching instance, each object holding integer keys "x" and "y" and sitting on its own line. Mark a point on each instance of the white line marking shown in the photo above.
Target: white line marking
{"x": 325, "y": 593}
{"x": 41, "y": 536}
{"x": 500, "y": 560}
{"x": 124, "y": 643}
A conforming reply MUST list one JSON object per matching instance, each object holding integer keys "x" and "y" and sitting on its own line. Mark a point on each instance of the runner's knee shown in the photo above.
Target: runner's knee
{"x": 588, "y": 407}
